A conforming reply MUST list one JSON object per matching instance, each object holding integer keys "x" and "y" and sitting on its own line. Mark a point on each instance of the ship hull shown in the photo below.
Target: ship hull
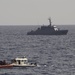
{"x": 59, "y": 32}
{"x": 6, "y": 66}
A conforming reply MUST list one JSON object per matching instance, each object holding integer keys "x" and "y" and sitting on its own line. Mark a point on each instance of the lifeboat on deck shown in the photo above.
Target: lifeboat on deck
{"x": 3, "y": 64}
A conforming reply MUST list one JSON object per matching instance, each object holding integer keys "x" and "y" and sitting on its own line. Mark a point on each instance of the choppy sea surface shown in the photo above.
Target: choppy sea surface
{"x": 54, "y": 54}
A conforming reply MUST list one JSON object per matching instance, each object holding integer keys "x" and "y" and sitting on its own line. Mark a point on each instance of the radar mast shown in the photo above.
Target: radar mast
{"x": 49, "y": 22}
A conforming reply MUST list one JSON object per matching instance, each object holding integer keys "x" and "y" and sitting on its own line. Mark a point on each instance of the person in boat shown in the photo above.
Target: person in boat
{"x": 3, "y": 62}
{"x": 35, "y": 64}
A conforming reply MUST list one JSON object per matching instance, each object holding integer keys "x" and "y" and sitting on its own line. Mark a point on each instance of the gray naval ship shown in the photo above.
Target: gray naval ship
{"x": 48, "y": 30}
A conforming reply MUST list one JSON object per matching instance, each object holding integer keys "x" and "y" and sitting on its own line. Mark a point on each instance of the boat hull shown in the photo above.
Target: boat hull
{"x": 59, "y": 32}
{"x": 24, "y": 65}
{"x": 6, "y": 66}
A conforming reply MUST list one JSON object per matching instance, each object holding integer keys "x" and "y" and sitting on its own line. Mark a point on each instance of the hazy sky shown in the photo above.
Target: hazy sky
{"x": 33, "y": 12}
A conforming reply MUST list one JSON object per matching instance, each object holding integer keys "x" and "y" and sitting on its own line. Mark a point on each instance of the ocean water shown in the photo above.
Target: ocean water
{"x": 54, "y": 54}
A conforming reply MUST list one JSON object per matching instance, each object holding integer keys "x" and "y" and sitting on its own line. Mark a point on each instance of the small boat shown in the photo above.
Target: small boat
{"x": 3, "y": 64}
{"x": 22, "y": 62}
{"x": 6, "y": 66}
